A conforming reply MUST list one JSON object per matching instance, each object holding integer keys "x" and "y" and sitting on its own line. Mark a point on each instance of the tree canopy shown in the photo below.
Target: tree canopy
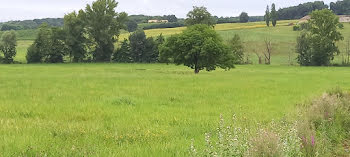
{"x": 317, "y": 44}
{"x": 76, "y": 40}
{"x": 200, "y": 15}
{"x": 49, "y": 46}
{"x": 297, "y": 12}
{"x": 131, "y": 26}
{"x": 198, "y": 47}
{"x": 8, "y": 45}
{"x": 341, "y": 7}
{"x": 243, "y": 17}
{"x": 267, "y": 16}
{"x": 103, "y": 25}
{"x": 273, "y": 15}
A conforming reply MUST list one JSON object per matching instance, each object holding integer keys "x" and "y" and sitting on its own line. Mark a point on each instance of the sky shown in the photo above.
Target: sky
{"x": 34, "y": 9}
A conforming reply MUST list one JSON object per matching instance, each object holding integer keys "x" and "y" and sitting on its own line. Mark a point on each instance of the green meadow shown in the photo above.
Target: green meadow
{"x": 152, "y": 109}
{"x": 143, "y": 109}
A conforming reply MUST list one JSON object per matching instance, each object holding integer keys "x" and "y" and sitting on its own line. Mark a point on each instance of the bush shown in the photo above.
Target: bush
{"x": 300, "y": 27}
{"x": 266, "y": 143}
{"x": 236, "y": 47}
{"x": 33, "y": 55}
{"x": 296, "y": 28}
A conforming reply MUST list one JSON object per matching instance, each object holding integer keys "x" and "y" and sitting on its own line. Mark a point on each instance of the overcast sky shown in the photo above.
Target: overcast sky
{"x": 31, "y": 9}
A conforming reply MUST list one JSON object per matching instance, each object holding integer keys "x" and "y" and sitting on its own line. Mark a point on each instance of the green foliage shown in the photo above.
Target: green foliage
{"x": 49, "y": 46}
{"x": 131, "y": 25}
{"x": 198, "y": 47}
{"x": 31, "y": 24}
{"x": 243, "y": 17}
{"x": 122, "y": 55}
{"x": 170, "y": 18}
{"x": 341, "y": 7}
{"x": 200, "y": 15}
{"x": 297, "y": 12}
{"x": 142, "y": 49}
{"x": 237, "y": 49}
{"x": 103, "y": 25}
{"x": 41, "y": 45}
{"x": 7, "y": 27}
{"x": 317, "y": 45}
{"x": 296, "y": 28}
{"x": 57, "y": 46}
{"x": 273, "y": 15}
{"x": 33, "y": 55}
{"x": 302, "y": 26}
{"x": 267, "y": 16}
{"x": 76, "y": 40}
{"x": 8, "y": 45}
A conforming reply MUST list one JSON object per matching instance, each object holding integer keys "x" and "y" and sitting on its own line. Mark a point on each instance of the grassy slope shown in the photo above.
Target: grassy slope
{"x": 142, "y": 110}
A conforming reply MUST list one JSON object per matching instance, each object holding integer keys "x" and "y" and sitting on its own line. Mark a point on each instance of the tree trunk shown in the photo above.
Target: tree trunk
{"x": 196, "y": 70}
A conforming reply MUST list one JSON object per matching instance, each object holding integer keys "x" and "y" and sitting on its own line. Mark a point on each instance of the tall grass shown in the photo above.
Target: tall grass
{"x": 322, "y": 129}
{"x": 143, "y": 109}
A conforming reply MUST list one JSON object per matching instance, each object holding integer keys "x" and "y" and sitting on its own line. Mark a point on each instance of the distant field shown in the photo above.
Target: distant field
{"x": 253, "y": 35}
{"x": 142, "y": 109}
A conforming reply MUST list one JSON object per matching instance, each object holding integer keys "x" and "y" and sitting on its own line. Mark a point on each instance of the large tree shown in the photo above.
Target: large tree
{"x": 131, "y": 26}
{"x": 267, "y": 16}
{"x": 142, "y": 49}
{"x": 103, "y": 26}
{"x": 317, "y": 45}
{"x": 198, "y": 47}
{"x": 200, "y": 15}
{"x": 273, "y": 15}
{"x": 76, "y": 40}
{"x": 237, "y": 49}
{"x": 243, "y": 17}
{"x": 41, "y": 45}
{"x": 49, "y": 46}
{"x": 122, "y": 55}
{"x": 8, "y": 46}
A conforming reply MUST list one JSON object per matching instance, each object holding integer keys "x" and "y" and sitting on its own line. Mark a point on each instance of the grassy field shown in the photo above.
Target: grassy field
{"x": 142, "y": 110}
{"x": 152, "y": 109}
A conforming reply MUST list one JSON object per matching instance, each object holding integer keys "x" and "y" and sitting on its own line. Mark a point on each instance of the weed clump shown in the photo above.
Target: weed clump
{"x": 321, "y": 129}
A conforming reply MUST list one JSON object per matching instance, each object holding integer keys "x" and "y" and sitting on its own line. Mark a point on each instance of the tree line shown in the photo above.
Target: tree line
{"x": 89, "y": 36}
{"x": 341, "y": 7}
{"x": 301, "y": 10}
{"x": 31, "y": 24}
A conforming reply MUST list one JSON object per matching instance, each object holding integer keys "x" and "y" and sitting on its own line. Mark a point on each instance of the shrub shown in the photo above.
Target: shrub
{"x": 33, "y": 55}
{"x": 266, "y": 143}
{"x": 236, "y": 47}
{"x": 296, "y": 28}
